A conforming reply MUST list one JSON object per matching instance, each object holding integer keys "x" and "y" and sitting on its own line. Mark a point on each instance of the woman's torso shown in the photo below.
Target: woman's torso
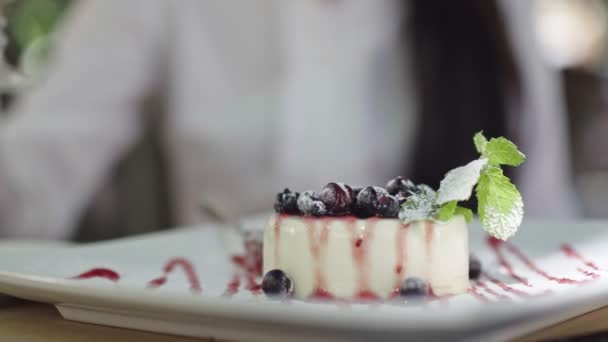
{"x": 283, "y": 94}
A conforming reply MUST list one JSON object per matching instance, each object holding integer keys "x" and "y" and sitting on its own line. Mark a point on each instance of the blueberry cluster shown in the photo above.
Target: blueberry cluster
{"x": 338, "y": 199}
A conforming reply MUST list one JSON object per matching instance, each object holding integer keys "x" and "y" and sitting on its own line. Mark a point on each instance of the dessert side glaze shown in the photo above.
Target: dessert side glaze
{"x": 347, "y": 257}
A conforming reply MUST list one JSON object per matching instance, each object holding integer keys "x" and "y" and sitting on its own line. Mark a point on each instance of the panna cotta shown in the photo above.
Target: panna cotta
{"x": 403, "y": 239}
{"x": 349, "y": 257}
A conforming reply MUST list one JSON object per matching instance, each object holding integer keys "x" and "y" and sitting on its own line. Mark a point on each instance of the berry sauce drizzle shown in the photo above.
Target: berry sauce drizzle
{"x": 361, "y": 240}
{"x": 532, "y": 266}
{"x": 233, "y": 285}
{"x": 277, "y": 237}
{"x": 318, "y": 247}
{"x": 105, "y": 273}
{"x": 361, "y": 237}
{"x": 495, "y": 245}
{"x": 428, "y": 237}
{"x": 188, "y": 269}
{"x": 248, "y": 266}
{"x": 475, "y": 292}
{"x": 572, "y": 253}
{"x": 400, "y": 247}
{"x": 505, "y": 287}
{"x": 486, "y": 288}
{"x": 589, "y": 274}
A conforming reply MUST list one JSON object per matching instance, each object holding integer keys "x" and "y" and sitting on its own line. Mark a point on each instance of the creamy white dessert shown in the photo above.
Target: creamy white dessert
{"x": 403, "y": 239}
{"x": 347, "y": 257}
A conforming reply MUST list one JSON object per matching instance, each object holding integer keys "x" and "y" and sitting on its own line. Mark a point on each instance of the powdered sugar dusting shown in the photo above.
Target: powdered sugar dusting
{"x": 309, "y": 204}
{"x": 419, "y": 206}
{"x": 457, "y": 185}
{"x": 503, "y": 225}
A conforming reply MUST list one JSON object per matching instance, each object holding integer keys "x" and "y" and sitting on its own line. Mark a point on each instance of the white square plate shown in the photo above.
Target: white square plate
{"x": 183, "y": 281}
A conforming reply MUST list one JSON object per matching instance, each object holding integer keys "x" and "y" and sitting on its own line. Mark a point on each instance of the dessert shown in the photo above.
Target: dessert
{"x": 399, "y": 240}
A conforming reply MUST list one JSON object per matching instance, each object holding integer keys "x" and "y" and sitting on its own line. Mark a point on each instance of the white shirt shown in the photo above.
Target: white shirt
{"x": 260, "y": 95}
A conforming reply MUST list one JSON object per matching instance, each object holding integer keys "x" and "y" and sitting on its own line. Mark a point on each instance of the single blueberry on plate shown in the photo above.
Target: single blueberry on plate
{"x": 413, "y": 287}
{"x": 276, "y": 284}
{"x": 337, "y": 197}
{"x": 286, "y": 202}
{"x": 474, "y": 267}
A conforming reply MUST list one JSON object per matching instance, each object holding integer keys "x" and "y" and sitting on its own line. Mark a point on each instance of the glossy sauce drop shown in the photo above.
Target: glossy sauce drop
{"x": 105, "y": 273}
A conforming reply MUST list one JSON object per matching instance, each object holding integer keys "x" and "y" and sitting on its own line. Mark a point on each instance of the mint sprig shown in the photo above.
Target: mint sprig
{"x": 500, "y": 205}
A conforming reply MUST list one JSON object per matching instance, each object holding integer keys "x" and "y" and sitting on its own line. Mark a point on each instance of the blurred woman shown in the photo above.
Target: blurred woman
{"x": 267, "y": 94}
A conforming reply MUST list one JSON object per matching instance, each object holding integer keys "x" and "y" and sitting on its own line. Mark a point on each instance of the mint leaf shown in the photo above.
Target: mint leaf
{"x": 457, "y": 185}
{"x": 500, "y": 206}
{"x": 480, "y": 142}
{"x": 501, "y": 151}
{"x": 466, "y": 212}
{"x": 446, "y": 212}
{"x": 420, "y": 205}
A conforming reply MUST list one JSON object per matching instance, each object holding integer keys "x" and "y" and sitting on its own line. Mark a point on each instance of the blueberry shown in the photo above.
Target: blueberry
{"x": 394, "y": 186}
{"x": 402, "y": 197}
{"x": 337, "y": 197}
{"x": 367, "y": 202}
{"x": 413, "y": 287}
{"x": 356, "y": 190}
{"x": 388, "y": 206}
{"x": 276, "y": 284}
{"x": 380, "y": 191}
{"x": 474, "y": 267}
{"x": 287, "y": 202}
{"x": 399, "y": 184}
{"x": 310, "y": 204}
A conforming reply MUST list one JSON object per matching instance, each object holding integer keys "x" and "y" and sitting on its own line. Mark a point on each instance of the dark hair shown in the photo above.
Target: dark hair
{"x": 466, "y": 78}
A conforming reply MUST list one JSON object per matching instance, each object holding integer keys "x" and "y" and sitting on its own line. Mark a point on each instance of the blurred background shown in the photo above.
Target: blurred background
{"x": 571, "y": 35}
{"x": 134, "y": 199}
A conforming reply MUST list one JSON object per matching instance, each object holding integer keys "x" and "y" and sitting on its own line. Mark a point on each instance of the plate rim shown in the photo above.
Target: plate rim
{"x": 74, "y": 292}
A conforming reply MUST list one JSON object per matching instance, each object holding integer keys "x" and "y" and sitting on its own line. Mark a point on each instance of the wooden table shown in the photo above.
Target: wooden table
{"x": 20, "y": 321}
